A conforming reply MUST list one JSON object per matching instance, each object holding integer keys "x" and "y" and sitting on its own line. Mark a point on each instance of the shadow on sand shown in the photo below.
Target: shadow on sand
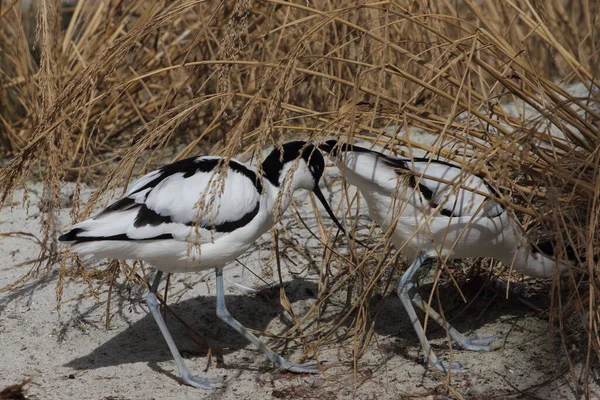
{"x": 143, "y": 342}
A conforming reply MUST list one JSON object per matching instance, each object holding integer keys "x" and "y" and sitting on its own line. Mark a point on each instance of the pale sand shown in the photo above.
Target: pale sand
{"x": 73, "y": 355}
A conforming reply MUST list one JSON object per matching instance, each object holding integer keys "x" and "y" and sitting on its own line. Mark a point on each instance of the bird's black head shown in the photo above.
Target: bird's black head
{"x": 309, "y": 166}
{"x": 281, "y": 159}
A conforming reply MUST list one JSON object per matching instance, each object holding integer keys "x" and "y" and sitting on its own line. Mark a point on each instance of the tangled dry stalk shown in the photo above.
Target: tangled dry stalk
{"x": 110, "y": 89}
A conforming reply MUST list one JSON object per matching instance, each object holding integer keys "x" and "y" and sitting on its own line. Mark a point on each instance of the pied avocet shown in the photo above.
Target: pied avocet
{"x": 436, "y": 209}
{"x": 201, "y": 213}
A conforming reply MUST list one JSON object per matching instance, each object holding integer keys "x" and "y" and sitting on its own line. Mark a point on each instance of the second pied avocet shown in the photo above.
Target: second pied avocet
{"x": 200, "y": 213}
{"x": 437, "y": 210}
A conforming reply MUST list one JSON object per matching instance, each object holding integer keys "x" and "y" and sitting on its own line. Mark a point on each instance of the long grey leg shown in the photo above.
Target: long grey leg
{"x": 275, "y": 358}
{"x": 404, "y": 292}
{"x": 472, "y": 343}
{"x": 186, "y": 376}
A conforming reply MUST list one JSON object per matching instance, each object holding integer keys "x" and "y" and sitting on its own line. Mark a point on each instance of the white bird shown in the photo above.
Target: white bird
{"x": 200, "y": 213}
{"x": 436, "y": 209}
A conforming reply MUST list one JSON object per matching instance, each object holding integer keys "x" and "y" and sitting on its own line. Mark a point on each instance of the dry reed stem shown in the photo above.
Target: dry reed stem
{"x": 128, "y": 85}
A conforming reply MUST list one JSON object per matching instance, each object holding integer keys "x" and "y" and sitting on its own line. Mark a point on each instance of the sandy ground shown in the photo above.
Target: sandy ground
{"x": 72, "y": 354}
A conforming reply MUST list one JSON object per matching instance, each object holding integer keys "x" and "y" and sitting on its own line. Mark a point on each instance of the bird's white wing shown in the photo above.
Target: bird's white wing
{"x": 456, "y": 192}
{"x": 196, "y": 199}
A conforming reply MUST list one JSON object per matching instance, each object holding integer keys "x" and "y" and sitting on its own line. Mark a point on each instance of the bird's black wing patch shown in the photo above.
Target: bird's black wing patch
{"x": 72, "y": 236}
{"x": 124, "y": 204}
{"x": 456, "y": 203}
{"x": 230, "y": 226}
{"x": 147, "y": 216}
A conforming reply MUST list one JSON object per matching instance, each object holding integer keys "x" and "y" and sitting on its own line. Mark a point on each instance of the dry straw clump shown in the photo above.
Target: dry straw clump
{"x": 109, "y": 89}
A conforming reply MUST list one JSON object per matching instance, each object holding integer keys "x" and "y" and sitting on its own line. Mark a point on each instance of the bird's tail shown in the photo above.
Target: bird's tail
{"x": 111, "y": 226}
{"x": 105, "y": 233}
{"x": 542, "y": 260}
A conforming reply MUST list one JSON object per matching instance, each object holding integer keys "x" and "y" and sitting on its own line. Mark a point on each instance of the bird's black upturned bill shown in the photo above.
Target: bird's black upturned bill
{"x": 323, "y": 201}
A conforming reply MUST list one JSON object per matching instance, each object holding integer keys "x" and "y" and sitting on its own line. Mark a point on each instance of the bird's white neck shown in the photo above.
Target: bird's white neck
{"x": 278, "y": 199}
{"x": 292, "y": 177}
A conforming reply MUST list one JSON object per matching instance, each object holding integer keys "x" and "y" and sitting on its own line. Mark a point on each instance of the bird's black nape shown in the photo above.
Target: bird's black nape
{"x": 330, "y": 146}
{"x": 290, "y": 151}
{"x": 334, "y": 147}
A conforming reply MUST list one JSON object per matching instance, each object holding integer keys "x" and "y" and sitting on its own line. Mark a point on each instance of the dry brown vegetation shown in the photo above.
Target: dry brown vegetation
{"x": 125, "y": 85}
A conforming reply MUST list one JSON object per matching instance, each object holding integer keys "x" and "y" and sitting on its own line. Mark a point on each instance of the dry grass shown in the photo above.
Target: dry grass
{"x": 128, "y": 84}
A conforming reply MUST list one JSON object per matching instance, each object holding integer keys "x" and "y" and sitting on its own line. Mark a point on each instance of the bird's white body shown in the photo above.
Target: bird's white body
{"x": 193, "y": 204}
{"x": 433, "y": 209}
{"x": 458, "y": 220}
{"x": 201, "y": 213}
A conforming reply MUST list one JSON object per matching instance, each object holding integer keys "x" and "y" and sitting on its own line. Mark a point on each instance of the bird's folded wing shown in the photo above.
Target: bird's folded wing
{"x": 456, "y": 192}
{"x": 196, "y": 199}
